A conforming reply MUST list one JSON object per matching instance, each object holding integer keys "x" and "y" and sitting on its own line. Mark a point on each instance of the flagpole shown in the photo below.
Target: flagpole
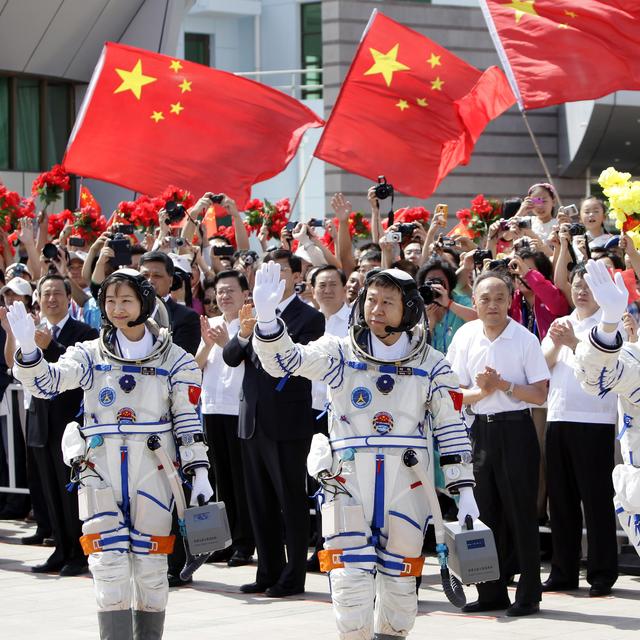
{"x": 80, "y": 193}
{"x": 502, "y": 54}
{"x": 304, "y": 178}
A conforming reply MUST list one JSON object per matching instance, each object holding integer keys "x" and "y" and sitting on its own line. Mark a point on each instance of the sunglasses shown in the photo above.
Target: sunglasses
{"x": 208, "y": 301}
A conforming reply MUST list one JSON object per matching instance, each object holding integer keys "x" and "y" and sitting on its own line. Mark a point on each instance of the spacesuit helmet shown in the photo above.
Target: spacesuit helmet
{"x": 143, "y": 288}
{"x": 413, "y": 305}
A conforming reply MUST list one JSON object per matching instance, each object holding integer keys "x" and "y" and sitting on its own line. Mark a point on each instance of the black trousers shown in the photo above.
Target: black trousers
{"x": 275, "y": 477}
{"x": 62, "y": 506}
{"x": 506, "y": 459}
{"x": 579, "y": 465}
{"x": 225, "y": 456}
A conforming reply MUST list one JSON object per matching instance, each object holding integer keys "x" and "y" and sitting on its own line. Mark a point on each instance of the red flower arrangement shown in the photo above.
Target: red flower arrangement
{"x": 13, "y": 207}
{"x": 89, "y": 224}
{"x": 50, "y": 184}
{"x": 275, "y": 216}
{"x": 124, "y": 213}
{"x": 407, "y": 215}
{"x": 229, "y": 233}
{"x": 481, "y": 215}
{"x": 57, "y": 222}
{"x": 181, "y": 196}
{"x": 145, "y": 212}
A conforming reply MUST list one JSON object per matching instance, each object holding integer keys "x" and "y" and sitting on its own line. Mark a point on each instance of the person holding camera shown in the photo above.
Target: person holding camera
{"x": 539, "y": 206}
{"x": 503, "y": 373}
{"x": 449, "y": 309}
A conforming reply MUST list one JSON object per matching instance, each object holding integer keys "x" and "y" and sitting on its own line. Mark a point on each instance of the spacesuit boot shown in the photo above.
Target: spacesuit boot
{"x": 115, "y": 625}
{"x": 148, "y": 625}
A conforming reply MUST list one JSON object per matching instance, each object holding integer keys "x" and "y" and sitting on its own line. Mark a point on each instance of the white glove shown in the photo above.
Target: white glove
{"x": 611, "y": 296}
{"x": 267, "y": 291}
{"x": 200, "y": 486}
{"x": 467, "y": 505}
{"x": 22, "y": 327}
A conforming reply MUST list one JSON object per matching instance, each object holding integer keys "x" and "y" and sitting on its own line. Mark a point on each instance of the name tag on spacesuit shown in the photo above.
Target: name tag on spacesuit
{"x": 339, "y": 518}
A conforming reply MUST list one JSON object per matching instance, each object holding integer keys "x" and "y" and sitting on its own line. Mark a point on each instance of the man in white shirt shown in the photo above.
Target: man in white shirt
{"x": 502, "y": 372}
{"x": 221, "y": 386}
{"x": 580, "y": 453}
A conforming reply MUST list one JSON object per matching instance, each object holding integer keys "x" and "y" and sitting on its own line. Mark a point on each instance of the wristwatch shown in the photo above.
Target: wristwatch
{"x": 456, "y": 458}
{"x": 191, "y": 438}
{"x": 509, "y": 391}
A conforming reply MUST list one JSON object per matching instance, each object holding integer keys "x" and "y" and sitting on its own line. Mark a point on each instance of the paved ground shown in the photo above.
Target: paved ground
{"x": 37, "y": 606}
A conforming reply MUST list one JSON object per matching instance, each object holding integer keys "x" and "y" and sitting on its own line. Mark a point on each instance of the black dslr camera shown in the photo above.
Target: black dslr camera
{"x": 428, "y": 293}
{"x": 121, "y": 246}
{"x": 216, "y": 198}
{"x": 480, "y": 256}
{"x": 499, "y": 265}
{"x": 577, "y": 229}
{"x": 384, "y": 190}
{"x": 175, "y": 212}
{"x": 407, "y": 228}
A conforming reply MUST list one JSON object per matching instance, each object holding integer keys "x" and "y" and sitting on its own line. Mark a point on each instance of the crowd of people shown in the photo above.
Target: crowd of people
{"x": 507, "y": 313}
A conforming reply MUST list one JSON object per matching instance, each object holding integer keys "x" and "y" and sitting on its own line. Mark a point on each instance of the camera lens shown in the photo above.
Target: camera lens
{"x": 50, "y": 251}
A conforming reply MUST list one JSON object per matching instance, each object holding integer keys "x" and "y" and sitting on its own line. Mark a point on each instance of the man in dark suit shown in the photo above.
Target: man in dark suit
{"x": 158, "y": 269}
{"x": 46, "y": 422}
{"x": 275, "y": 427}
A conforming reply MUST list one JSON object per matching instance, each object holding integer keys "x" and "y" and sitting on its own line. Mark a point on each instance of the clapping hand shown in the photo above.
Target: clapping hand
{"x": 489, "y": 380}
{"x": 247, "y": 321}
{"x": 267, "y": 292}
{"x": 562, "y": 334}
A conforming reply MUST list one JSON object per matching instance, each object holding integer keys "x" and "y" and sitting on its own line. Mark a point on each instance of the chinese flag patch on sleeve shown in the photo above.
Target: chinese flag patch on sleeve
{"x": 194, "y": 394}
{"x": 457, "y": 398}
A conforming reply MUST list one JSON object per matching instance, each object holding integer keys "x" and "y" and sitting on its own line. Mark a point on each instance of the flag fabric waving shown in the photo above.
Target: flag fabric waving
{"x": 87, "y": 199}
{"x": 566, "y": 50}
{"x": 149, "y": 120}
{"x": 409, "y": 109}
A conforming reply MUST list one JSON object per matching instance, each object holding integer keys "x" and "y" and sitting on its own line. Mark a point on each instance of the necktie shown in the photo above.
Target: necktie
{"x": 55, "y": 330}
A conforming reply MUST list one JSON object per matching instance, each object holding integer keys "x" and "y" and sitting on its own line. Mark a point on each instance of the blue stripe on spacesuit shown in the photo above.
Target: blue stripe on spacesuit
{"x": 150, "y": 497}
{"x": 336, "y": 371}
{"x": 402, "y": 516}
{"x": 619, "y": 510}
{"x": 347, "y": 534}
{"x": 378, "y": 497}
{"x": 390, "y": 564}
{"x": 626, "y": 423}
{"x": 179, "y": 362}
{"x": 426, "y": 524}
{"x": 387, "y": 368}
{"x": 124, "y": 483}
{"x": 99, "y": 515}
{"x": 357, "y": 558}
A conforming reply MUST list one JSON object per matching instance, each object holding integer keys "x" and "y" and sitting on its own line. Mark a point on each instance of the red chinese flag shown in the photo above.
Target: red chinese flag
{"x": 409, "y": 109}
{"x": 567, "y": 50}
{"x": 87, "y": 200}
{"x": 149, "y": 120}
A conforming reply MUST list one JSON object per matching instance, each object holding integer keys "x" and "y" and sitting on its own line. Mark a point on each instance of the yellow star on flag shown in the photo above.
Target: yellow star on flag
{"x": 436, "y": 84}
{"x": 571, "y": 14}
{"x": 157, "y": 116}
{"x": 185, "y": 85}
{"x": 176, "y": 108}
{"x": 522, "y": 7}
{"x": 434, "y": 61}
{"x": 175, "y": 65}
{"x": 386, "y": 64}
{"x": 402, "y": 105}
{"x": 133, "y": 80}
{"x": 422, "y": 102}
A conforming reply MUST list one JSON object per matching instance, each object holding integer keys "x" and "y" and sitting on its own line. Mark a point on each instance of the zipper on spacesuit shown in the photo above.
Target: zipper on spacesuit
{"x": 124, "y": 482}
{"x": 378, "y": 501}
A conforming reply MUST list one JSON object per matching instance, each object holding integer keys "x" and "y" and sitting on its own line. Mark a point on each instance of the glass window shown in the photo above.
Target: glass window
{"x": 4, "y": 123}
{"x": 311, "y": 45}
{"x": 197, "y": 47}
{"x": 27, "y": 133}
{"x": 57, "y": 130}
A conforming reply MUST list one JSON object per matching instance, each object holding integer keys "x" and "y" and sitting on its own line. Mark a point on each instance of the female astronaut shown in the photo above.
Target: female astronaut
{"x": 137, "y": 384}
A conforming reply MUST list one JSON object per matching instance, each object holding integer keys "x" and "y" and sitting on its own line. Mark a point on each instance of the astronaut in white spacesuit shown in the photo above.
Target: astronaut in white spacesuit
{"x": 389, "y": 394}
{"x": 605, "y": 365}
{"x": 137, "y": 385}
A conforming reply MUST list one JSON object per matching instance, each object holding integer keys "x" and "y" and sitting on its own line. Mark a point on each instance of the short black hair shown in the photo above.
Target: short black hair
{"x": 578, "y": 271}
{"x": 231, "y": 273}
{"x": 158, "y": 256}
{"x": 407, "y": 266}
{"x": 371, "y": 254}
{"x": 283, "y": 254}
{"x": 54, "y": 276}
{"x": 618, "y": 262}
{"x": 209, "y": 283}
{"x": 328, "y": 267}
{"x": 498, "y": 275}
{"x": 442, "y": 265}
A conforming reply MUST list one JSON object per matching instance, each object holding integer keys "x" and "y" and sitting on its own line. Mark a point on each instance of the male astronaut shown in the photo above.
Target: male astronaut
{"x": 388, "y": 390}
{"x": 605, "y": 365}
{"x": 138, "y": 386}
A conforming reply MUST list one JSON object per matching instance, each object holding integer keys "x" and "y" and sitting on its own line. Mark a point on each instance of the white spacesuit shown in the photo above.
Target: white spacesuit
{"x": 124, "y": 496}
{"x": 604, "y": 364}
{"x": 375, "y": 512}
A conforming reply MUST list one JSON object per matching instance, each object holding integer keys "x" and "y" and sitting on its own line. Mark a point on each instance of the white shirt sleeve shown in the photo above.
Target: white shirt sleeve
{"x": 456, "y": 355}
{"x": 535, "y": 366}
